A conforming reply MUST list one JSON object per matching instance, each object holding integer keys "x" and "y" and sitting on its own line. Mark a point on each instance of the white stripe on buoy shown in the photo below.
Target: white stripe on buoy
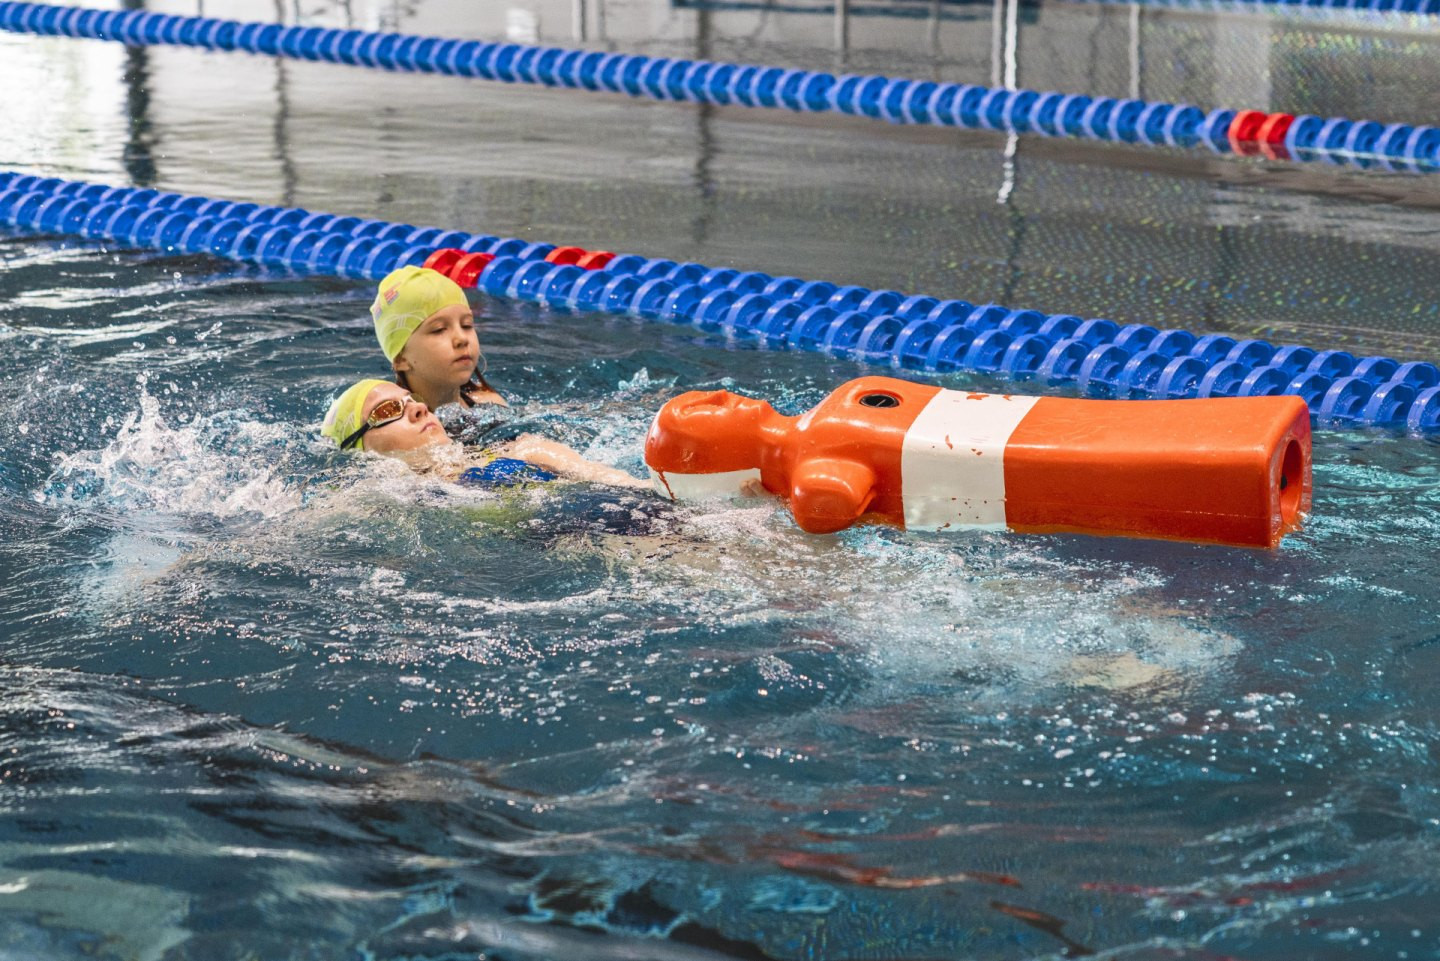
{"x": 952, "y": 463}
{"x": 701, "y": 487}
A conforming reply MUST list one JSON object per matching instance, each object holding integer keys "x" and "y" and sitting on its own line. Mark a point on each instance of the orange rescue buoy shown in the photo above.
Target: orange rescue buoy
{"x": 1230, "y": 470}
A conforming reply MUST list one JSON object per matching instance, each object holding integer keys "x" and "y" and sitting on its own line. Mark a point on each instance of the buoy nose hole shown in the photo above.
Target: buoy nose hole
{"x": 714, "y": 398}
{"x": 880, "y": 400}
{"x": 1292, "y": 483}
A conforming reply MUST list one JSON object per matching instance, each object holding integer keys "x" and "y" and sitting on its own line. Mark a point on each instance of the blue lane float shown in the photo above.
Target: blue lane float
{"x": 881, "y": 327}
{"x": 1388, "y": 8}
{"x": 1361, "y": 143}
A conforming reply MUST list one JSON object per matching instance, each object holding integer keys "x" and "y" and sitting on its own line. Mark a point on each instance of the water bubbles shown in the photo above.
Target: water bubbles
{"x": 1055, "y": 687}
{"x": 640, "y": 382}
{"x": 385, "y": 579}
{"x": 208, "y": 468}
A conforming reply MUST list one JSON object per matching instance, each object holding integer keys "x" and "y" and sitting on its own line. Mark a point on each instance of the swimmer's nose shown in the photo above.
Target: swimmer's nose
{"x": 416, "y": 410}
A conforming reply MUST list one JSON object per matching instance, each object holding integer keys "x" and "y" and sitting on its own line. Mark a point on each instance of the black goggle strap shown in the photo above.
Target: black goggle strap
{"x": 354, "y": 438}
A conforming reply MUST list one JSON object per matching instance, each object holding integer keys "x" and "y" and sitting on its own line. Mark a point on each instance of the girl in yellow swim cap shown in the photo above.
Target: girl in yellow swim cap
{"x": 427, "y": 330}
{"x": 384, "y": 418}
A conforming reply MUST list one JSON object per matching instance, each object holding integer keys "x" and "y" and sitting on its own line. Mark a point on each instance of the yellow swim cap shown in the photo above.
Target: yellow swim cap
{"x": 407, "y": 296}
{"x": 346, "y": 414}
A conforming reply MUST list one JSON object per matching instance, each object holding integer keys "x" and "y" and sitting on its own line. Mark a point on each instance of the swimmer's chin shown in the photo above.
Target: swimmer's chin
{"x": 440, "y": 454}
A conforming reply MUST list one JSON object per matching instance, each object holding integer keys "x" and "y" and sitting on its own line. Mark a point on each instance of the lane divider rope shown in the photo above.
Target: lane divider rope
{"x": 1279, "y": 136}
{"x": 1369, "y": 7}
{"x": 913, "y": 332}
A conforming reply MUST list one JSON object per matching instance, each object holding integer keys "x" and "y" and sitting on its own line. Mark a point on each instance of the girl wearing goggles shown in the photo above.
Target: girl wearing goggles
{"x": 386, "y": 419}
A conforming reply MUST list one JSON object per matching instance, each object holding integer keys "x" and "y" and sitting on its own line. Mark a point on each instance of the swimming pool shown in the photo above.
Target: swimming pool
{"x": 263, "y": 702}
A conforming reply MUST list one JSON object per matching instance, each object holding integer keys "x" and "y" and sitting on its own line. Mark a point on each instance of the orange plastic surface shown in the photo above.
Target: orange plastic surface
{"x": 1224, "y": 470}
{"x": 1219, "y": 470}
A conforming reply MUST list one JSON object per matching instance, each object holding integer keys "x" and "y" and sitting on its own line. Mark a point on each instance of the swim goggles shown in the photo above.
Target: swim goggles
{"x": 388, "y": 411}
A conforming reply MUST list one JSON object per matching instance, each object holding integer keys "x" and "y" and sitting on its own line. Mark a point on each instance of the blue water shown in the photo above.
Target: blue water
{"x": 258, "y": 700}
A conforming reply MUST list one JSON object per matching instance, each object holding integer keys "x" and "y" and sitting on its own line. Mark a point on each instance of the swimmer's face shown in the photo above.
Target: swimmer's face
{"x": 444, "y": 349}
{"x": 415, "y": 428}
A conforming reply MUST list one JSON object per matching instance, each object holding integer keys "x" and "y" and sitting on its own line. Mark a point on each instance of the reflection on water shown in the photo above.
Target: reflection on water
{"x": 1175, "y": 238}
{"x": 269, "y": 701}
{"x": 261, "y": 700}
{"x": 139, "y": 154}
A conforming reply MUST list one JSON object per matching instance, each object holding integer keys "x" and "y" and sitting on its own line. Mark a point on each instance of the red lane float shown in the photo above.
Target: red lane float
{"x": 1254, "y": 132}
{"x": 444, "y": 259}
{"x": 465, "y": 268}
{"x": 1219, "y": 470}
{"x": 462, "y": 267}
{"x": 466, "y": 271}
{"x": 566, "y": 255}
{"x": 595, "y": 259}
{"x": 1272, "y": 135}
{"x": 580, "y": 257}
{"x": 1244, "y": 130}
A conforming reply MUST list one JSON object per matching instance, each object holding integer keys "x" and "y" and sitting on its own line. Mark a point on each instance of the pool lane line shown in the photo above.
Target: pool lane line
{"x": 1279, "y": 136}
{"x": 883, "y": 327}
{"x": 1371, "y": 9}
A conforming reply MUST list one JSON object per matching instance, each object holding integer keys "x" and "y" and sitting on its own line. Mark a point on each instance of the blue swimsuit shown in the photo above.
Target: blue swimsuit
{"x": 503, "y": 472}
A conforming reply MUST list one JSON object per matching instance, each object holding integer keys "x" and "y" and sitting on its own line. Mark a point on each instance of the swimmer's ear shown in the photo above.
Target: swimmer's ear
{"x": 400, "y": 365}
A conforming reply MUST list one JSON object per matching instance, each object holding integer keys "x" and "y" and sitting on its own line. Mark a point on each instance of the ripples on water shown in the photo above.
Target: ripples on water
{"x": 260, "y": 700}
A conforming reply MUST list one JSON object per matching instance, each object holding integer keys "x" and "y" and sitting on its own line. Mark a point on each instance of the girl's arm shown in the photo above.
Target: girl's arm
{"x": 563, "y": 460}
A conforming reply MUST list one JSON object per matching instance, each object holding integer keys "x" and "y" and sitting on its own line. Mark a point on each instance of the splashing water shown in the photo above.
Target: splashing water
{"x": 217, "y": 467}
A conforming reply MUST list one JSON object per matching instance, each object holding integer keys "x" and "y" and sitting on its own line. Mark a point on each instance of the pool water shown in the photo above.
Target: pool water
{"x": 259, "y": 700}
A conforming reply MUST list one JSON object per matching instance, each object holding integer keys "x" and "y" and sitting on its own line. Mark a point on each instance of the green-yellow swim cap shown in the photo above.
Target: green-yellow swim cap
{"x": 346, "y": 413}
{"x": 406, "y": 297}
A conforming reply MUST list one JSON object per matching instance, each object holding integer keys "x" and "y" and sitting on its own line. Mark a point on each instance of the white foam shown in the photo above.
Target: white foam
{"x": 217, "y": 466}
